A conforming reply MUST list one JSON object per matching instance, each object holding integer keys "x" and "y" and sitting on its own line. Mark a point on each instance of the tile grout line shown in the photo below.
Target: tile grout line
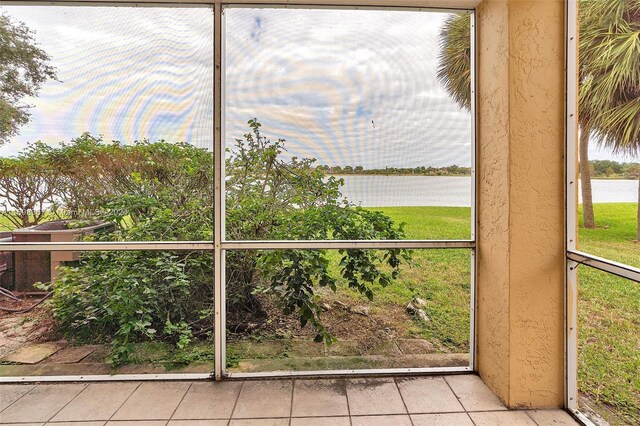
{"x": 456, "y": 395}
{"x": 395, "y": 382}
{"x": 346, "y": 394}
{"x": 531, "y": 417}
{"x": 459, "y": 401}
{"x": 68, "y": 402}
{"x": 293, "y": 389}
{"x": 235, "y": 403}
{"x": 124, "y": 402}
{"x": 470, "y": 419}
{"x": 181, "y": 399}
{"x": 22, "y": 396}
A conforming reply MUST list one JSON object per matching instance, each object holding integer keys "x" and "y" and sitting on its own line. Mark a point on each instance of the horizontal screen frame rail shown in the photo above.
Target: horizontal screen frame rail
{"x": 237, "y": 376}
{"x": 375, "y": 372}
{"x": 236, "y": 245}
{"x": 615, "y": 268}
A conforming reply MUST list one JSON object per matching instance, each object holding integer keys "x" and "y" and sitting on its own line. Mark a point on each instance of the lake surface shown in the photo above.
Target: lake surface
{"x": 455, "y": 191}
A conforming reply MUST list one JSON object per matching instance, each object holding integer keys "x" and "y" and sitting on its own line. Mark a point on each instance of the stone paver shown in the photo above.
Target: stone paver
{"x": 419, "y": 401}
{"x": 473, "y": 394}
{"x": 428, "y": 395}
{"x": 153, "y": 401}
{"x": 41, "y": 403}
{"x": 268, "y": 398}
{"x": 99, "y": 401}
{"x": 374, "y": 396}
{"x": 72, "y": 354}
{"x": 208, "y": 400}
{"x": 320, "y": 398}
{"x": 32, "y": 354}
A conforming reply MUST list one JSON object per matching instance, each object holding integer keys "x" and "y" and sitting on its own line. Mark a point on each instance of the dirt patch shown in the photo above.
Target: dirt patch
{"x": 347, "y": 320}
{"x": 17, "y": 329}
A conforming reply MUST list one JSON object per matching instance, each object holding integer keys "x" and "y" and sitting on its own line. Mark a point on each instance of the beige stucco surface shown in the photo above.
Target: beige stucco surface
{"x": 521, "y": 200}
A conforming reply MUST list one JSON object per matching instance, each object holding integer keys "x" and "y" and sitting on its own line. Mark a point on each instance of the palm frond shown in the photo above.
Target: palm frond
{"x": 454, "y": 60}
{"x": 609, "y": 96}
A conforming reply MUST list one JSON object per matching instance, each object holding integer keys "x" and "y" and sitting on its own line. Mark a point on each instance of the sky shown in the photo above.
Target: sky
{"x": 347, "y": 87}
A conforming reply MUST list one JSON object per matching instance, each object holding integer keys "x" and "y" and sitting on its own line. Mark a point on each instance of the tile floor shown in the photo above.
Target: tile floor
{"x": 452, "y": 400}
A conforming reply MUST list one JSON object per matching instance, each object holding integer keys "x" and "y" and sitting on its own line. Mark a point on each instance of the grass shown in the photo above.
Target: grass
{"x": 609, "y": 317}
{"x": 440, "y": 277}
{"x": 614, "y": 235}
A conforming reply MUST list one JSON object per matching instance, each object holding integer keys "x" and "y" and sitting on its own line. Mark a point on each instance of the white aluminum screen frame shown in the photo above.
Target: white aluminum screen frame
{"x": 219, "y": 245}
{"x": 575, "y": 258}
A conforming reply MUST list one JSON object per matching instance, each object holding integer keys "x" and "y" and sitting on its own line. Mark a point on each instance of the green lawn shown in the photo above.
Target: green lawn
{"x": 609, "y": 316}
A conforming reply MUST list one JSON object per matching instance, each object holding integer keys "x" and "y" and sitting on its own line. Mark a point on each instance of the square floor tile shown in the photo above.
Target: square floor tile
{"x": 99, "y": 401}
{"x": 21, "y": 424}
{"x": 197, "y": 423}
{"x": 473, "y": 394}
{"x": 401, "y": 420}
{"x": 320, "y": 398}
{"x": 11, "y": 393}
{"x": 320, "y": 421}
{"x": 374, "y": 396}
{"x": 135, "y": 423}
{"x": 152, "y": 401}
{"x": 446, "y": 419}
{"x": 552, "y": 417}
{"x": 41, "y": 403}
{"x": 265, "y": 398}
{"x": 502, "y": 418}
{"x": 260, "y": 422}
{"x": 208, "y": 400}
{"x": 101, "y": 423}
{"x": 428, "y": 395}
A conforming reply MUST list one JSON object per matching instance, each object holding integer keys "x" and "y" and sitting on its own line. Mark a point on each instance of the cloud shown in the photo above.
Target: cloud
{"x": 315, "y": 77}
{"x": 319, "y": 77}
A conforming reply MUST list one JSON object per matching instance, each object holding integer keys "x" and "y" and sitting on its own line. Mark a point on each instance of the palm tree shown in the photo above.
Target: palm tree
{"x": 609, "y": 72}
{"x": 609, "y": 93}
{"x": 454, "y": 61}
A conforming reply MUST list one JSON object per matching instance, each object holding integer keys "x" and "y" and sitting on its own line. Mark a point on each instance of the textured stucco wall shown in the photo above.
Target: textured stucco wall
{"x": 493, "y": 195}
{"x": 521, "y": 200}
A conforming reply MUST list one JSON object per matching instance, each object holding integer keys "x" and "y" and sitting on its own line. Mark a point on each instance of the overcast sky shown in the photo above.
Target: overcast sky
{"x": 348, "y": 87}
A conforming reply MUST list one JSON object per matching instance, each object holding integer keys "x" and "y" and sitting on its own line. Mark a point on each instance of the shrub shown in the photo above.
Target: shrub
{"x": 164, "y": 192}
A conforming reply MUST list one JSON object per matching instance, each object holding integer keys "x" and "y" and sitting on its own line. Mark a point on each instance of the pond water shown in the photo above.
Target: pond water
{"x": 387, "y": 191}
{"x": 453, "y": 191}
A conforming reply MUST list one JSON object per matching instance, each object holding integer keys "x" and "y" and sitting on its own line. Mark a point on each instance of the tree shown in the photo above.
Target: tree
{"x": 27, "y": 186}
{"x": 24, "y": 68}
{"x": 454, "y": 69}
{"x": 609, "y": 73}
{"x": 633, "y": 172}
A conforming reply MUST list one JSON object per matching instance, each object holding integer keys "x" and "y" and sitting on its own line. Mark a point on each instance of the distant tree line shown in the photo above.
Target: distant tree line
{"x": 613, "y": 169}
{"x": 453, "y": 170}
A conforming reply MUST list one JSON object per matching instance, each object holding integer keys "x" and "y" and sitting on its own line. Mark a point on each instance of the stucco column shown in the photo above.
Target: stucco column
{"x": 520, "y": 349}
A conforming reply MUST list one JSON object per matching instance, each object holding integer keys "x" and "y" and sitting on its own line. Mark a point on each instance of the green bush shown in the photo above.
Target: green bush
{"x": 165, "y": 192}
